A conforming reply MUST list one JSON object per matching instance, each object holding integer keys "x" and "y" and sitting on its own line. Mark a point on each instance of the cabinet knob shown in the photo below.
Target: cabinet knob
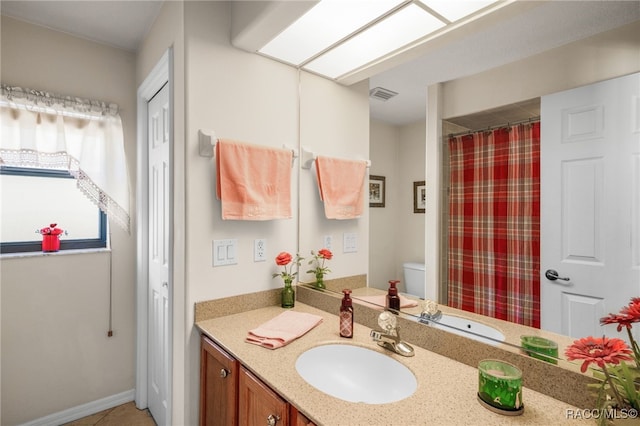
{"x": 272, "y": 420}
{"x": 224, "y": 373}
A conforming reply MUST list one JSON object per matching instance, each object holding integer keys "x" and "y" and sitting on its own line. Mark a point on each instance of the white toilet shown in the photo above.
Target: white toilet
{"x": 414, "y": 278}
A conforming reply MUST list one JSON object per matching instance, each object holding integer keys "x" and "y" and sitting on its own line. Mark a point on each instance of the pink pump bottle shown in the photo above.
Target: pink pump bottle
{"x": 346, "y": 315}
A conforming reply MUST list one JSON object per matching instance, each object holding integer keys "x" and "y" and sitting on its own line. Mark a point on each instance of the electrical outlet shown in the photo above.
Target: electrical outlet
{"x": 259, "y": 250}
{"x": 326, "y": 242}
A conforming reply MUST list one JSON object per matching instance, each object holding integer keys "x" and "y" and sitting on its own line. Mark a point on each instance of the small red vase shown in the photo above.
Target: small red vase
{"x": 50, "y": 243}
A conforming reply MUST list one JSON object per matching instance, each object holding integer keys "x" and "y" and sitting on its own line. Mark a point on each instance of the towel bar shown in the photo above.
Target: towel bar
{"x": 308, "y": 157}
{"x": 207, "y": 142}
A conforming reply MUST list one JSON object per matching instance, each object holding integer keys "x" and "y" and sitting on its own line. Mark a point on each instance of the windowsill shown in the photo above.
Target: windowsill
{"x": 54, "y": 253}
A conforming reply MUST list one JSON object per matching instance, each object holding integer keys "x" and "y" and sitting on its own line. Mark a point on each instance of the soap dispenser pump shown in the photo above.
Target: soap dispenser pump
{"x": 393, "y": 300}
{"x": 346, "y": 315}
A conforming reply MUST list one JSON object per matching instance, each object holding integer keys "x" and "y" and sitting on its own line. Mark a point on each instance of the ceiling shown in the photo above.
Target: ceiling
{"x": 536, "y": 27}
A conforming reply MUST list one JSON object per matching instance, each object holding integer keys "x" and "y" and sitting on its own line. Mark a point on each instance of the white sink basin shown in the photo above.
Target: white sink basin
{"x": 356, "y": 374}
{"x": 469, "y": 328}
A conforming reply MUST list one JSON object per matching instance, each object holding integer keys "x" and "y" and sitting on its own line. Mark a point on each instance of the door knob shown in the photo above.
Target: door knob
{"x": 224, "y": 373}
{"x": 553, "y": 275}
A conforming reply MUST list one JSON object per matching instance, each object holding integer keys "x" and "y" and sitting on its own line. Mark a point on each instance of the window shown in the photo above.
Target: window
{"x": 31, "y": 199}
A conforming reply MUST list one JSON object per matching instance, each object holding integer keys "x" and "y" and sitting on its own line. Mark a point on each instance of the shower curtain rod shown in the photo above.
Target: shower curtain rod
{"x": 488, "y": 129}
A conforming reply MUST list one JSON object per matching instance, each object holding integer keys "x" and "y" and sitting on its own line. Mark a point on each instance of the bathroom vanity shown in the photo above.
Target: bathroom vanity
{"x": 446, "y": 390}
{"x": 231, "y": 395}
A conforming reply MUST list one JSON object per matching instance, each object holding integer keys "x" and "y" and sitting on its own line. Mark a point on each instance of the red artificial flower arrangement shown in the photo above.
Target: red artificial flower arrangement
{"x": 51, "y": 237}
{"x": 620, "y": 387}
{"x": 284, "y": 259}
{"x": 319, "y": 258}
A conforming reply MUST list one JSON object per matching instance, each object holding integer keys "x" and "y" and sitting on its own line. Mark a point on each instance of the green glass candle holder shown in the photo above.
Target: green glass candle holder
{"x": 540, "y": 348}
{"x": 500, "y": 387}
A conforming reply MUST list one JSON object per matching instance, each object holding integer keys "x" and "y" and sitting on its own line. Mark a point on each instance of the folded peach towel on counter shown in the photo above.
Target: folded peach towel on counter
{"x": 341, "y": 186}
{"x": 253, "y": 181}
{"x": 283, "y": 329}
{"x": 381, "y": 301}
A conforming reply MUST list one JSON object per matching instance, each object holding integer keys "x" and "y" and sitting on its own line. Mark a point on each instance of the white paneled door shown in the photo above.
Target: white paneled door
{"x": 159, "y": 256}
{"x": 590, "y": 205}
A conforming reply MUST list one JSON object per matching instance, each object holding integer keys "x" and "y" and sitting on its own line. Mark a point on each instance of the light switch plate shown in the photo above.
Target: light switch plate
{"x": 225, "y": 252}
{"x": 350, "y": 242}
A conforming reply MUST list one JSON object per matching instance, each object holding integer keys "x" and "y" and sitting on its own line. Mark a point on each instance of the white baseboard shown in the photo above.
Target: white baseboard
{"x": 83, "y": 410}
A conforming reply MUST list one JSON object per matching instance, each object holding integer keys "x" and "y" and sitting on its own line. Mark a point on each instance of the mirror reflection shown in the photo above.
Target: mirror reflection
{"x": 397, "y": 234}
{"x": 489, "y": 331}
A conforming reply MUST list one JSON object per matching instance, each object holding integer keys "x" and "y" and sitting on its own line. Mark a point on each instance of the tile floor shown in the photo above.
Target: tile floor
{"x": 122, "y": 415}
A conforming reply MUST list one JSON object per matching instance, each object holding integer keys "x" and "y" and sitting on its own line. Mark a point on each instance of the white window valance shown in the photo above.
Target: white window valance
{"x": 85, "y": 137}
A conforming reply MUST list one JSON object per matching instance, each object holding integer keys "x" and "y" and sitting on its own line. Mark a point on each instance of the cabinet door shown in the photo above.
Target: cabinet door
{"x": 258, "y": 405}
{"x": 299, "y": 419}
{"x": 218, "y": 386}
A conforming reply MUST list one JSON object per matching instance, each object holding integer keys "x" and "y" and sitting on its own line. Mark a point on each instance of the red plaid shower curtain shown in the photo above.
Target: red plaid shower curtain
{"x": 494, "y": 223}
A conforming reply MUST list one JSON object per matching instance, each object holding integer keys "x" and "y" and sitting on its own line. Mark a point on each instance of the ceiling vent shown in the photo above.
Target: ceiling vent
{"x": 382, "y": 94}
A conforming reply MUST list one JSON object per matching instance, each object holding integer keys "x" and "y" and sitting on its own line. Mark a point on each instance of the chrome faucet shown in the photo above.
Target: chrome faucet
{"x": 389, "y": 338}
{"x": 430, "y": 312}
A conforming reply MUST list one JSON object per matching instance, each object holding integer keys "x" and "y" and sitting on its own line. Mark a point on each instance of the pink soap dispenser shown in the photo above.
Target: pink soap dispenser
{"x": 346, "y": 315}
{"x": 393, "y": 300}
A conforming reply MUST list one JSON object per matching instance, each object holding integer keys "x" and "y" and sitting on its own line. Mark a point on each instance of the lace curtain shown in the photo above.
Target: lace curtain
{"x": 42, "y": 130}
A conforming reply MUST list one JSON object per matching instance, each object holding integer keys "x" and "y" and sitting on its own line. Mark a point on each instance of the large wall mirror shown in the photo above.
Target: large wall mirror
{"x": 397, "y": 145}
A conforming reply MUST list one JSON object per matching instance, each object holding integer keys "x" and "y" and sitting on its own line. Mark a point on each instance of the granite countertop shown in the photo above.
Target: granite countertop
{"x": 446, "y": 392}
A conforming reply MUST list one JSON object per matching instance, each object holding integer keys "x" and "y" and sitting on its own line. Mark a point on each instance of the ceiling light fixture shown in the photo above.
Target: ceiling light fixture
{"x": 336, "y": 37}
{"x": 326, "y": 24}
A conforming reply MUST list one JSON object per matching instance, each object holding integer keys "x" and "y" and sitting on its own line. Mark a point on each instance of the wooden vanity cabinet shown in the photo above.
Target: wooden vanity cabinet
{"x": 258, "y": 404}
{"x": 218, "y": 386}
{"x": 231, "y": 395}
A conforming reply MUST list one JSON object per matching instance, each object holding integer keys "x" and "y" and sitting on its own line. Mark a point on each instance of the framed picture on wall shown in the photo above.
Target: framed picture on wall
{"x": 419, "y": 196}
{"x": 376, "y": 191}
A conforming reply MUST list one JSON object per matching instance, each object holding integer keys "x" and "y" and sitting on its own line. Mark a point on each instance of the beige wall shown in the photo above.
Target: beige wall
{"x": 55, "y": 350}
{"x": 396, "y": 232}
{"x": 385, "y": 222}
{"x": 412, "y": 168}
{"x": 610, "y": 54}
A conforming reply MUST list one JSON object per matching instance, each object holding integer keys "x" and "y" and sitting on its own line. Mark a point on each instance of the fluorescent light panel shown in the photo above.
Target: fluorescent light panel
{"x": 455, "y": 10}
{"x": 325, "y": 24}
{"x": 403, "y": 27}
{"x": 331, "y": 21}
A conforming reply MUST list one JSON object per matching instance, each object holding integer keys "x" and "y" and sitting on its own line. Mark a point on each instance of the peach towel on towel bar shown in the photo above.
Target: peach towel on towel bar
{"x": 341, "y": 186}
{"x": 283, "y": 329}
{"x": 253, "y": 181}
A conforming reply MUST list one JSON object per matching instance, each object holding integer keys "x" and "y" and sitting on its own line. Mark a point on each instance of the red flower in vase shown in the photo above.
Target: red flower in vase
{"x": 283, "y": 259}
{"x": 51, "y": 230}
{"x": 325, "y": 254}
{"x": 319, "y": 258}
{"x": 598, "y": 351}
